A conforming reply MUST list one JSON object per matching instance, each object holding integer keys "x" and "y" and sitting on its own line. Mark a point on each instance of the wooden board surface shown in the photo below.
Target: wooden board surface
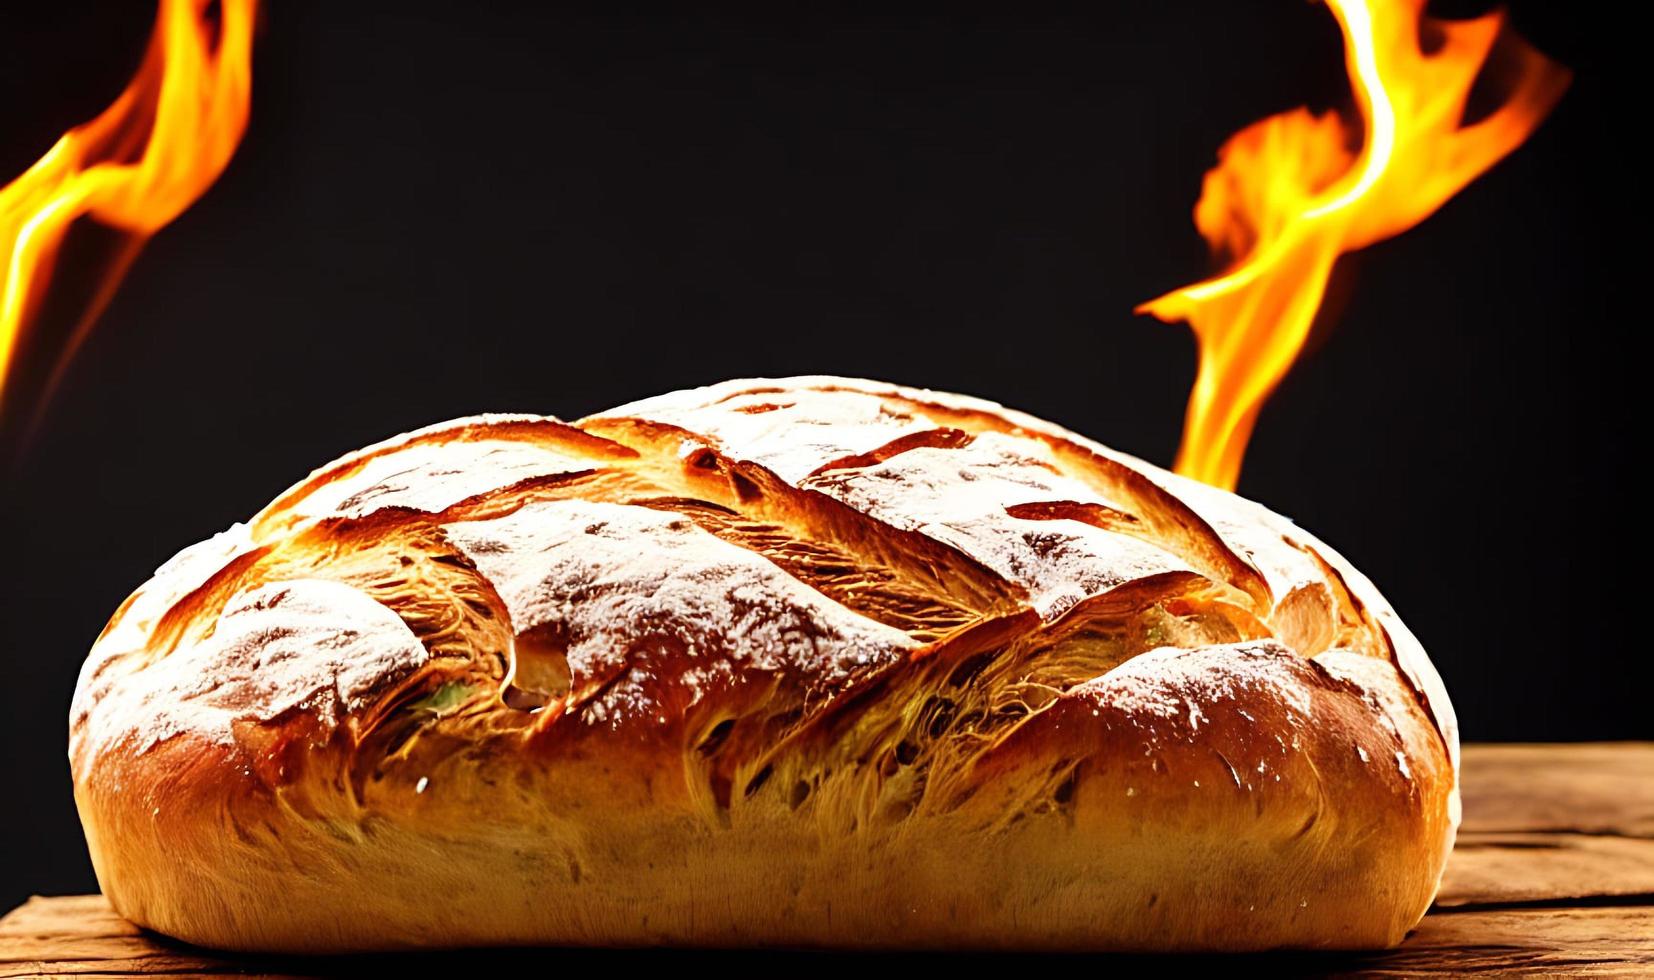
{"x": 1553, "y": 874}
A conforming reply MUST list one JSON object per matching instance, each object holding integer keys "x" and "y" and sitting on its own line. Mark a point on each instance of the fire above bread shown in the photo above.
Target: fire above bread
{"x": 815, "y": 661}
{"x": 1294, "y": 191}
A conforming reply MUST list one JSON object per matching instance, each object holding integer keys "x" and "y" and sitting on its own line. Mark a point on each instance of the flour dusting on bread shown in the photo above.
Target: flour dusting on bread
{"x": 812, "y": 661}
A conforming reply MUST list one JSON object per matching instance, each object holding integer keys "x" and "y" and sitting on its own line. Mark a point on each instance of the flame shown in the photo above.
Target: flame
{"x": 135, "y": 167}
{"x": 1289, "y": 195}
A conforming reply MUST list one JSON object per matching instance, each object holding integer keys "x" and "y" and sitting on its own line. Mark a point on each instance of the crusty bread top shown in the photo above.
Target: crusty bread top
{"x": 784, "y": 539}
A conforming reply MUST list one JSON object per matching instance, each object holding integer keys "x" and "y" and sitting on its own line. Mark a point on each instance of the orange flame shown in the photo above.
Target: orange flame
{"x": 1288, "y": 196}
{"x": 135, "y": 167}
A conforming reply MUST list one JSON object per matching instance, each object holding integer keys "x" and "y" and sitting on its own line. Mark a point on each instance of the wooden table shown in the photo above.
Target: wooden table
{"x": 1553, "y": 874}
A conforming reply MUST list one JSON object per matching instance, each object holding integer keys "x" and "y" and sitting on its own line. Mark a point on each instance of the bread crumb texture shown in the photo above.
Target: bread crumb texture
{"x": 840, "y": 603}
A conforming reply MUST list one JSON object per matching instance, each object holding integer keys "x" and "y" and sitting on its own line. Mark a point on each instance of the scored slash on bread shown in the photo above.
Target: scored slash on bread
{"x": 814, "y": 661}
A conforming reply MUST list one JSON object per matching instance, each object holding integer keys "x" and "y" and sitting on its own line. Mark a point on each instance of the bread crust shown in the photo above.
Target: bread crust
{"x": 807, "y": 662}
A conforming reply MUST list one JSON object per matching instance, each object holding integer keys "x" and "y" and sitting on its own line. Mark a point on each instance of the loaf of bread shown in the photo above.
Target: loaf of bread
{"x": 811, "y": 662}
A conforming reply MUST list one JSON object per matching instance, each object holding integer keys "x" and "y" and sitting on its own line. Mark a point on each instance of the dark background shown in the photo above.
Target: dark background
{"x": 445, "y": 212}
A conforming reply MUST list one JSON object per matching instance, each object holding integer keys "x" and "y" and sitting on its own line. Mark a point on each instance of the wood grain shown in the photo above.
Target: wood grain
{"x": 1508, "y": 869}
{"x": 1595, "y": 788}
{"x": 1553, "y": 874}
{"x": 1554, "y": 823}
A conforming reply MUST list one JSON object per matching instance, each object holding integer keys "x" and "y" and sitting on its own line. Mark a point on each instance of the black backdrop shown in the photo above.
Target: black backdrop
{"x": 438, "y": 212}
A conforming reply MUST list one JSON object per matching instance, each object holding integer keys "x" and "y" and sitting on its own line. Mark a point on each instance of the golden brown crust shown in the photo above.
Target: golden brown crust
{"x": 816, "y": 662}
